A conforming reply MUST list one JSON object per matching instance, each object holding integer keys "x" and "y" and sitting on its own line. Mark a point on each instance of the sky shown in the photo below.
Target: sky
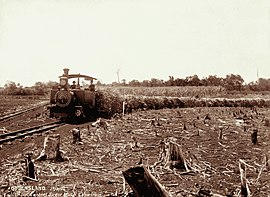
{"x": 142, "y": 39}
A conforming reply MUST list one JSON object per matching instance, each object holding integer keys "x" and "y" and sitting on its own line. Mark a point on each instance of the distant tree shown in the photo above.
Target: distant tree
{"x": 51, "y": 84}
{"x": 233, "y": 82}
{"x": 204, "y": 82}
{"x": 179, "y": 82}
{"x": 10, "y": 88}
{"x": 124, "y": 82}
{"x": 134, "y": 83}
{"x": 252, "y": 86}
{"x": 146, "y": 83}
{"x": 29, "y": 91}
{"x": 170, "y": 82}
{"x": 193, "y": 80}
{"x": 156, "y": 82}
{"x": 214, "y": 80}
{"x": 263, "y": 84}
{"x": 40, "y": 88}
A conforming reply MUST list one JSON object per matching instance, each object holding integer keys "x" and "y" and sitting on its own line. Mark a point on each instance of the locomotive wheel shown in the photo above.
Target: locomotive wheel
{"x": 62, "y": 98}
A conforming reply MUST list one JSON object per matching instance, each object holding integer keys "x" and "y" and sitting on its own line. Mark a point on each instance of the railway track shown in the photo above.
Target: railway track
{"x": 16, "y": 113}
{"x": 7, "y": 137}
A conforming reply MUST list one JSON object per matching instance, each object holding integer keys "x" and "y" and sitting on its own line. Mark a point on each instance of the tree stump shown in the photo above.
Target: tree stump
{"x": 51, "y": 148}
{"x": 245, "y": 192}
{"x": 143, "y": 183}
{"x": 30, "y": 169}
{"x": 254, "y": 136}
{"x": 175, "y": 157}
{"x": 185, "y": 127}
{"x": 76, "y": 135}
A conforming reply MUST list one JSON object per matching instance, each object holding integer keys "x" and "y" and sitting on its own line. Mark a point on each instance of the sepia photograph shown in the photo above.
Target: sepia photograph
{"x": 135, "y": 98}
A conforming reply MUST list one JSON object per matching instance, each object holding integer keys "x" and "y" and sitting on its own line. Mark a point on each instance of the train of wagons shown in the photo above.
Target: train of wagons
{"x": 71, "y": 101}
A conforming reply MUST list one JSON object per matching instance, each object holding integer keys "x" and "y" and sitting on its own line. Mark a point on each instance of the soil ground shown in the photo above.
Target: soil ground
{"x": 14, "y": 103}
{"x": 94, "y": 167}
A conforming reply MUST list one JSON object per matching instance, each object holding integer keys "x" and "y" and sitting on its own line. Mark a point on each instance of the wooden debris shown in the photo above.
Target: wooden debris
{"x": 51, "y": 148}
{"x": 220, "y": 136}
{"x": 207, "y": 117}
{"x": 3, "y": 130}
{"x": 267, "y": 161}
{"x": 101, "y": 123}
{"x": 135, "y": 142}
{"x": 143, "y": 183}
{"x": 221, "y": 132}
{"x": 152, "y": 123}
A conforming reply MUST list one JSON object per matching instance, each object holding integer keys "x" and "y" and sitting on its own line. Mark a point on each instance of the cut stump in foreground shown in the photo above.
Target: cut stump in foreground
{"x": 171, "y": 155}
{"x": 51, "y": 148}
{"x": 245, "y": 192}
{"x": 76, "y": 133}
{"x": 143, "y": 183}
{"x": 30, "y": 173}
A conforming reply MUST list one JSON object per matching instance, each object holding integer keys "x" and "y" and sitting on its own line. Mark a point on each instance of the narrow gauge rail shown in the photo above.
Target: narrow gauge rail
{"x": 16, "y": 113}
{"x": 6, "y": 137}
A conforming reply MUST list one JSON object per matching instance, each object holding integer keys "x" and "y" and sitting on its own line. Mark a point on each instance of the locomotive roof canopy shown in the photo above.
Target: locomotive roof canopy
{"x": 79, "y": 76}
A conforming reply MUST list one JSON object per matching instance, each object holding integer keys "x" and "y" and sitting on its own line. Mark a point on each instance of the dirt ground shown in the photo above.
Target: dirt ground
{"x": 13, "y": 103}
{"x": 94, "y": 167}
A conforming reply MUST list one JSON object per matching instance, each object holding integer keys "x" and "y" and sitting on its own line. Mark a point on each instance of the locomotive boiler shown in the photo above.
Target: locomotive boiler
{"x": 72, "y": 101}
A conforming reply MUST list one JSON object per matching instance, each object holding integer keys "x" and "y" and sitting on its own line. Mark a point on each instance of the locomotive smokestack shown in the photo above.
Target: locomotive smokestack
{"x": 65, "y": 71}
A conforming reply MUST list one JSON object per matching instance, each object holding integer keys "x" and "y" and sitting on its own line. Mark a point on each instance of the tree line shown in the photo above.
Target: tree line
{"x": 39, "y": 88}
{"x": 232, "y": 82}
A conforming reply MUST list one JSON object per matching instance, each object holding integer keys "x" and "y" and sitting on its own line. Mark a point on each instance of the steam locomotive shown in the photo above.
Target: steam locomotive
{"x": 72, "y": 101}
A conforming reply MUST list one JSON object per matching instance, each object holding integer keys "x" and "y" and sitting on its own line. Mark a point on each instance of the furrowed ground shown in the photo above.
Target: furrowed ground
{"x": 14, "y": 103}
{"x": 94, "y": 167}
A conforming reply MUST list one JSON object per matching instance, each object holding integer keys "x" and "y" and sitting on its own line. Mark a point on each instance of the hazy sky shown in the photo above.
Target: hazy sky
{"x": 144, "y": 39}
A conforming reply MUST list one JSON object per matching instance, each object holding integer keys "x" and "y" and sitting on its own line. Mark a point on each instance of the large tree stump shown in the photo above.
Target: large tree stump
{"x": 51, "y": 148}
{"x": 143, "y": 183}
{"x": 174, "y": 156}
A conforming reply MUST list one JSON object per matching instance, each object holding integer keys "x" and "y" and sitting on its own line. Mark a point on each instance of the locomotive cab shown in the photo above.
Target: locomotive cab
{"x": 72, "y": 101}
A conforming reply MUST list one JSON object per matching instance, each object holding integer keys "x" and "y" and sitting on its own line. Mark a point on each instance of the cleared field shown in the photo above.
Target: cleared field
{"x": 13, "y": 103}
{"x": 94, "y": 167}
